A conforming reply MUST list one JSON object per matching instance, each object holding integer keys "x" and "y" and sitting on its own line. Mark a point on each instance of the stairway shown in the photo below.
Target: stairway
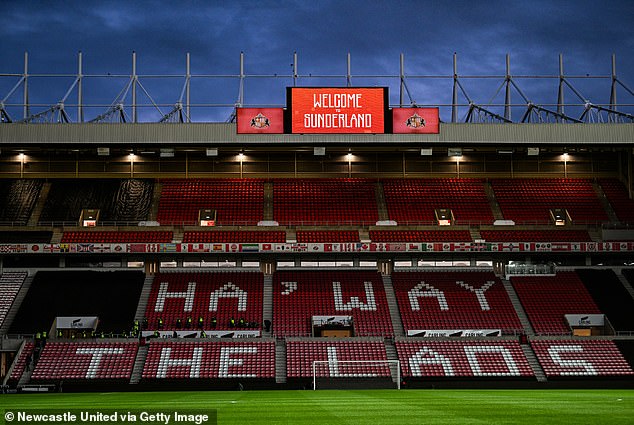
{"x": 17, "y": 302}
{"x": 397, "y": 323}
{"x": 39, "y": 205}
{"x": 627, "y": 284}
{"x": 390, "y": 350}
{"x": 156, "y": 197}
{"x": 15, "y": 361}
{"x": 526, "y": 324}
{"x": 144, "y": 298}
{"x": 534, "y": 363}
{"x": 268, "y": 202}
{"x": 495, "y": 207}
{"x": 267, "y": 301}
{"x": 381, "y": 205}
{"x": 139, "y": 362}
{"x": 280, "y": 361}
{"x": 605, "y": 203}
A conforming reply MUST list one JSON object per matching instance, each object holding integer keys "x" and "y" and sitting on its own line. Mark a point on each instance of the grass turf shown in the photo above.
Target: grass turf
{"x": 376, "y": 407}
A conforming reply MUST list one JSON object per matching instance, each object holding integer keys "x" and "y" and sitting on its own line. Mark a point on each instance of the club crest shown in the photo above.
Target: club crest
{"x": 260, "y": 121}
{"x": 415, "y": 121}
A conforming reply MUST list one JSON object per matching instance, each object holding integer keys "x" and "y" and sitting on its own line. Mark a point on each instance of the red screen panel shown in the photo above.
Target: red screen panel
{"x": 337, "y": 110}
{"x": 260, "y": 120}
{"x": 416, "y": 120}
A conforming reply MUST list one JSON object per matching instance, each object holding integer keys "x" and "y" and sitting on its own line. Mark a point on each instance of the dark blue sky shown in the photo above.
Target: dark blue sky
{"x": 322, "y": 32}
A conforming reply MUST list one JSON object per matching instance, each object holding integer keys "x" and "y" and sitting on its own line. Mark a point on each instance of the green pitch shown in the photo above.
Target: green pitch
{"x": 376, "y": 407}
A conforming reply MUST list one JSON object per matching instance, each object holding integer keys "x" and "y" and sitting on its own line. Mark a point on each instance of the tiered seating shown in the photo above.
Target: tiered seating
{"x": 236, "y": 201}
{"x": 414, "y": 200}
{"x": 10, "y": 284}
{"x": 25, "y": 236}
{"x": 535, "y": 235}
{"x": 581, "y": 358}
{"x": 463, "y": 359}
{"x": 299, "y": 295}
{"x": 220, "y": 295}
{"x": 438, "y": 300}
{"x": 619, "y": 199}
{"x": 118, "y": 200}
{"x": 237, "y": 236}
{"x": 327, "y": 236}
{"x": 20, "y": 363}
{"x": 420, "y": 236}
{"x": 530, "y": 200}
{"x": 17, "y": 200}
{"x": 325, "y": 201}
{"x": 85, "y": 360}
{"x": 210, "y": 360}
{"x": 301, "y": 354}
{"x": 93, "y": 236}
{"x": 546, "y": 299}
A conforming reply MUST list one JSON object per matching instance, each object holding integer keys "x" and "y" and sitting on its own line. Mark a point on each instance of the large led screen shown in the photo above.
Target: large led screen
{"x": 415, "y": 120}
{"x": 337, "y": 110}
{"x": 260, "y": 120}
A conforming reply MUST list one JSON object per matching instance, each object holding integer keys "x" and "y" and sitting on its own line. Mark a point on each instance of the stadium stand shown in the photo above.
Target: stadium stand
{"x": 118, "y": 200}
{"x": 420, "y": 236}
{"x": 575, "y": 358}
{"x": 235, "y": 236}
{"x": 546, "y": 299}
{"x": 299, "y": 295}
{"x": 85, "y": 361}
{"x": 326, "y": 236}
{"x": 465, "y": 359}
{"x": 535, "y": 235}
{"x": 220, "y": 295}
{"x": 413, "y": 201}
{"x": 530, "y": 200}
{"x": 300, "y": 355}
{"x": 236, "y": 201}
{"x": 324, "y": 201}
{"x": 619, "y": 199}
{"x": 112, "y": 296}
{"x": 17, "y": 199}
{"x": 210, "y": 360}
{"x": 454, "y": 301}
{"x": 611, "y": 297}
{"x": 10, "y": 284}
{"x": 94, "y": 236}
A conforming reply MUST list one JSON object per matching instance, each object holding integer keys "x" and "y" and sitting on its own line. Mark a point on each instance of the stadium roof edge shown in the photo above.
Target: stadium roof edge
{"x": 222, "y": 134}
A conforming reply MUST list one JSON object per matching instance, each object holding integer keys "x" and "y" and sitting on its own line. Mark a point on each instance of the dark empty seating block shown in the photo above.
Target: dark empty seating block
{"x": 454, "y": 301}
{"x": 20, "y": 364}
{"x": 10, "y": 284}
{"x": 535, "y": 235}
{"x": 299, "y": 295}
{"x": 413, "y": 201}
{"x": 210, "y": 360}
{"x": 619, "y": 199}
{"x": 17, "y": 200}
{"x": 547, "y": 299}
{"x": 477, "y": 359}
{"x": 96, "y": 236}
{"x": 236, "y": 201}
{"x": 335, "y": 358}
{"x": 85, "y": 361}
{"x": 581, "y": 358}
{"x": 118, "y": 200}
{"x": 327, "y": 236}
{"x": 26, "y": 236}
{"x": 237, "y": 236}
{"x": 325, "y": 201}
{"x": 530, "y": 200}
{"x": 219, "y": 295}
{"x": 420, "y": 236}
